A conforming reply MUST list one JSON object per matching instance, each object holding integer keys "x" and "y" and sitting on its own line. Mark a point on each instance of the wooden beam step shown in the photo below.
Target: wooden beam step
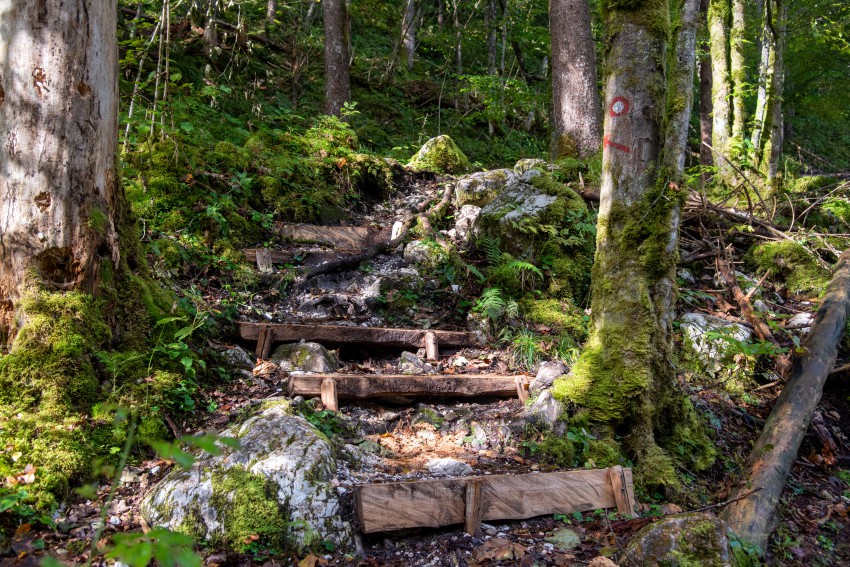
{"x": 362, "y": 336}
{"x": 470, "y": 500}
{"x": 274, "y": 256}
{"x": 364, "y": 386}
{"x": 345, "y": 237}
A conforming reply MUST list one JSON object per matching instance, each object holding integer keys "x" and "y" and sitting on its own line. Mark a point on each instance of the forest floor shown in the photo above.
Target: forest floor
{"x": 398, "y": 439}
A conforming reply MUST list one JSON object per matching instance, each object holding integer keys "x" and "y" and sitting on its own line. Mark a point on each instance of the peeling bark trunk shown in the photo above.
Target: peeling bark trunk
{"x": 271, "y": 10}
{"x": 337, "y": 79}
{"x": 459, "y": 52}
{"x": 754, "y": 516}
{"x": 575, "y": 97}
{"x": 718, "y": 17}
{"x": 58, "y": 129}
{"x": 490, "y": 26}
{"x": 408, "y": 32}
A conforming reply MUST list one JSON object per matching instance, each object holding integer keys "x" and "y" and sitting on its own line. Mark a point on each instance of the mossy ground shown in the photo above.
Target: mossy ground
{"x": 791, "y": 262}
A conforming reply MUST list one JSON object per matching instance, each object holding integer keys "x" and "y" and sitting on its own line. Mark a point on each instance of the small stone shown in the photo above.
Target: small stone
{"x": 465, "y": 221}
{"x": 761, "y": 306}
{"x": 800, "y": 321}
{"x": 564, "y": 539}
{"x": 448, "y": 467}
{"x": 460, "y": 362}
{"x": 409, "y": 363}
{"x": 238, "y": 358}
{"x": 305, "y": 357}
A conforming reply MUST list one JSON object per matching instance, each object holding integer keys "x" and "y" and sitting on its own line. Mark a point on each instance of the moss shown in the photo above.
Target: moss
{"x": 440, "y": 155}
{"x": 247, "y": 506}
{"x": 97, "y": 220}
{"x": 789, "y": 260}
{"x": 556, "y": 451}
{"x": 562, "y": 315}
{"x": 563, "y": 146}
{"x": 605, "y": 452}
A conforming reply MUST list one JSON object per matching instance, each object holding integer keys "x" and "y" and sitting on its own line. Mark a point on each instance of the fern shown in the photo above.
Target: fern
{"x": 492, "y": 249}
{"x": 491, "y": 303}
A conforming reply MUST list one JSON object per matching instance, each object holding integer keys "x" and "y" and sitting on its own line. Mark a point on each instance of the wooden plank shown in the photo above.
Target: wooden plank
{"x": 474, "y": 507}
{"x": 264, "y": 260}
{"x": 522, "y": 384}
{"x": 442, "y": 502}
{"x": 343, "y": 237}
{"x": 625, "y": 501}
{"x": 264, "y": 344}
{"x": 275, "y": 256}
{"x": 364, "y": 386}
{"x": 367, "y": 336}
{"x": 328, "y": 393}
{"x": 432, "y": 346}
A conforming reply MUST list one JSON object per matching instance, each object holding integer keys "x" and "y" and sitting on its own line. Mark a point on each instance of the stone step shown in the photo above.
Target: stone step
{"x": 266, "y": 334}
{"x": 332, "y": 387}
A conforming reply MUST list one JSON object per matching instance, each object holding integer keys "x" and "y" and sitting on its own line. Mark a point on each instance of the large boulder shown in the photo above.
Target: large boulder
{"x": 277, "y": 485}
{"x": 304, "y": 357}
{"x": 439, "y": 155}
{"x": 482, "y": 187}
{"x": 698, "y": 540}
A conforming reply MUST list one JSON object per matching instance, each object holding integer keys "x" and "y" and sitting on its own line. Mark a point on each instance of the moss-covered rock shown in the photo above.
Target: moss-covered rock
{"x": 790, "y": 261}
{"x": 305, "y": 357}
{"x": 711, "y": 346}
{"x": 276, "y": 485}
{"x": 439, "y": 155}
{"x": 483, "y": 186}
{"x": 685, "y": 540}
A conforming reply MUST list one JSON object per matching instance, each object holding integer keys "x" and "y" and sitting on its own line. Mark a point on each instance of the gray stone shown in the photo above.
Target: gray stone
{"x": 545, "y": 411}
{"x": 696, "y": 327}
{"x": 440, "y": 155}
{"x": 238, "y": 358}
{"x": 527, "y": 164}
{"x": 429, "y": 254}
{"x": 409, "y": 363}
{"x": 761, "y": 306}
{"x": 546, "y": 375}
{"x": 685, "y": 539}
{"x": 305, "y": 357}
{"x": 448, "y": 467}
{"x": 465, "y": 221}
{"x": 564, "y": 539}
{"x": 800, "y": 321}
{"x": 482, "y": 187}
{"x": 479, "y": 324}
{"x": 285, "y": 452}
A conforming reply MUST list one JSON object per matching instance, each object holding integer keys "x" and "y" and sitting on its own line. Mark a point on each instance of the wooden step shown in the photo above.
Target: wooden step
{"x": 342, "y": 237}
{"x": 471, "y": 500}
{"x": 268, "y": 333}
{"x": 374, "y": 386}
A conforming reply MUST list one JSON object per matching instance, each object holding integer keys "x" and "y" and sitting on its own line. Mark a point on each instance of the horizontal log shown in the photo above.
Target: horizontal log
{"x": 342, "y": 237}
{"x": 276, "y": 256}
{"x": 442, "y": 502}
{"x": 365, "y": 336}
{"x": 364, "y": 386}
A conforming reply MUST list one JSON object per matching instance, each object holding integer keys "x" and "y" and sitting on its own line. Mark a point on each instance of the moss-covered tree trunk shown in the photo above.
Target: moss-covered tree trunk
{"x": 773, "y": 150}
{"x": 721, "y": 90}
{"x": 59, "y": 192}
{"x": 765, "y": 81}
{"x": 737, "y": 72}
{"x": 408, "y": 32}
{"x": 624, "y": 378}
{"x": 575, "y": 97}
{"x": 337, "y": 78}
{"x": 706, "y": 158}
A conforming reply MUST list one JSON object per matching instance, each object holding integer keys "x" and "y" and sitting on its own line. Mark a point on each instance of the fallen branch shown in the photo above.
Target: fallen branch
{"x": 754, "y": 517}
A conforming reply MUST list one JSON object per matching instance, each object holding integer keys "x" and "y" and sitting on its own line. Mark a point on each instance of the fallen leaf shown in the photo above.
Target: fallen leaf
{"x": 499, "y": 549}
{"x": 309, "y": 561}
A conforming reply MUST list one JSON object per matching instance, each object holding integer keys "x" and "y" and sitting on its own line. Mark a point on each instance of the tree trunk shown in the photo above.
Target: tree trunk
{"x": 210, "y": 29}
{"x": 271, "y": 11}
{"x": 765, "y": 81}
{"x": 575, "y": 97}
{"x": 754, "y": 516}
{"x": 408, "y": 32}
{"x": 59, "y": 129}
{"x": 337, "y": 80}
{"x": 705, "y": 109}
{"x": 490, "y": 26}
{"x": 718, "y": 18}
{"x": 440, "y": 14}
{"x": 774, "y": 150}
{"x": 624, "y": 378}
{"x": 738, "y": 73}
{"x": 459, "y": 53}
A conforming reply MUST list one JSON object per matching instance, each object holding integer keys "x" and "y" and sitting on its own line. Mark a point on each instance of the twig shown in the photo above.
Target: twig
{"x": 724, "y": 503}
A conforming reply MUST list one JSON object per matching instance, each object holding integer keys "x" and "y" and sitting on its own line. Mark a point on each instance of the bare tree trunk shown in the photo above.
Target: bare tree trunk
{"x": 490, "y": 26}
{"x": 311, "y": 15}
{"x": 754, "y": 516}
{"x": 624, "y": 377}
{"x": 705, "y": 107}
{"x": 408, "y": 32}
{"x": 271, "y": 11}
{"x": 459, "y": 50}
{"x": 58, "y": 130}
{"x": 777, "y": 129}
{"x": 337, "y": 79}
{"x": 575, "y": 97}
{"x": 737, "y": 72}
{"x": 765, "y": 81}
{"x": 718, "y": 18}
{"x": 441, "y": 8}
{"x": 210, "y": 29}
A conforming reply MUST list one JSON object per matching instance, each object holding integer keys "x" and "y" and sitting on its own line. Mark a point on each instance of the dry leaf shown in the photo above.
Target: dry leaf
{"x": 309, "y": 561}
{"x": 499, "y": 549}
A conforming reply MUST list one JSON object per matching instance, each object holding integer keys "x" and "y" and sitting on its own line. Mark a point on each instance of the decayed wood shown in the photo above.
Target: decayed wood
{"x": 343, "y": 237}
{"x": 364, "y": 386}
{"x": 623, "y": 494}
{"x": 341, "y": 334}
{"x": 828, "y": 446}
{"x": 782, "y": 364}
{"x": 432, "y": 348}
{"x": 443, "y": 502}
{"x": 474, "y": 507}
{"x": 754, "y": 516}
{"x": 328, "y": 393}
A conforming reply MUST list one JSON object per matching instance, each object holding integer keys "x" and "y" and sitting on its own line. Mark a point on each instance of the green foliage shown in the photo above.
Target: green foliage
{"x": 167, "y": 548}
{"x": 801, "y": 272}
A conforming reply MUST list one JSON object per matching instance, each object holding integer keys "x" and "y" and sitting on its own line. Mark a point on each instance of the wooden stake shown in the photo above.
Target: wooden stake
{"x": 264, "y": 260}
{"x": 329, "y": 394}
{"x": 625, "y": 500}
{"x": 264, "y": 343}
{"x": 432, "y": 348}
{"x": 522, "y": 388}
{"x": 474, "y": 513}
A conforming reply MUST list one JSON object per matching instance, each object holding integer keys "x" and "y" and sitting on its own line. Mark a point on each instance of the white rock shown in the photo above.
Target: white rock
{"x": 546, "y": 375}
{"x": 283, "y": 449}
{"x": 304, "y": 357}
{"x": 800, "y": 321}
{"x": 696, "y": 326}
{"x": 396, "y": 232}
{"x": 465, "y": 221}
{"x": 448, "y": 467}
{"x": 237, "y": 357}
{"x": 427, "y": 253}
{"x": 545, "y": 411}
{"x": 482, "y": 187}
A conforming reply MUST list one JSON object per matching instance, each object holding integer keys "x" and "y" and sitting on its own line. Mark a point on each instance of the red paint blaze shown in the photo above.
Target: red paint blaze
{"x": 621, "y": 147}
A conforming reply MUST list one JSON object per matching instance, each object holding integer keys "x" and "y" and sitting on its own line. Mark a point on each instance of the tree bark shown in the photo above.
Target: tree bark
{"x": 624, "y": 377}
{"x": 459, "y": 53}
{"x": 408, "y": 32}
{"x": 705, "y": 108}
{"x": 337, "y": 79}
{"x": 765, "y": 81}
{"x": 718, "y": 17}
{"x": 777, "y": 130}
{"x": 271, "y": 11}
{"x": 210, "y": 29}
{"x": 58, "y": 130}
{"x": 754, "y": 516}
{"x": 737, "y": 72}
{"x": 575, "y": 97}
